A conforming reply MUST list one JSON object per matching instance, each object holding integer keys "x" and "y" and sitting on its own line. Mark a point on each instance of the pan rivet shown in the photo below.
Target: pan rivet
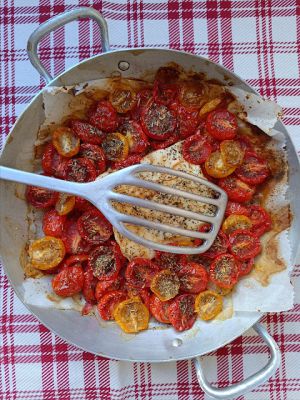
{"x": 123, "y": 65}
{"x": 176, "y": 342}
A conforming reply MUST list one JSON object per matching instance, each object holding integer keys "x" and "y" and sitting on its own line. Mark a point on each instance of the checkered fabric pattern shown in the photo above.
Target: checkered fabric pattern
{"x": 260, "y": 41}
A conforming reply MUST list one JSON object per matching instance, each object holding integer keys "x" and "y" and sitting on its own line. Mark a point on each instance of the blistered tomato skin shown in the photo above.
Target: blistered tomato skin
{"x": 69, "y": 281}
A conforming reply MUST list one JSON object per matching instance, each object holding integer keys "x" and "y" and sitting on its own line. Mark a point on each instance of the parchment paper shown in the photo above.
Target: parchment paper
{"x": 249, "y": 294}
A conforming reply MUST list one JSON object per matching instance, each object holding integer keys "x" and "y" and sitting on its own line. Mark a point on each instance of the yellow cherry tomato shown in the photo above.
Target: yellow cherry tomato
{"x": 122, "y": 98}
{"x": 65, "y": 141}
{"x": 208, "y": 304}
{"x": 234, "y": 222}
{"x": 115, "y": 146}
{"x": 46, "y": 253}
{"x": 132, "y": 315}
{"x": 232, "y": 152}
{"x": 65, "y": 204}
{"x": 217, "y": 289}
{"x": 216, "y": 167}
{"x": 165, "y": 285}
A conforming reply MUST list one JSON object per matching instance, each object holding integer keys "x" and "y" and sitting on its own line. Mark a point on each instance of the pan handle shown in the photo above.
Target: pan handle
{"x": 56, "y": 22}
{"x": 250, "y": 383}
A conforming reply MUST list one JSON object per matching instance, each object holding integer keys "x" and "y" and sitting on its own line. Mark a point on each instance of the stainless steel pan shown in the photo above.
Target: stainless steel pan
{"x": 152, "y": 345}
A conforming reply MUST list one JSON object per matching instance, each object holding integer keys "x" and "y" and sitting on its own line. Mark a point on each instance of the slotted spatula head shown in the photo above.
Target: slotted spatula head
{"x": 187, "y": 189}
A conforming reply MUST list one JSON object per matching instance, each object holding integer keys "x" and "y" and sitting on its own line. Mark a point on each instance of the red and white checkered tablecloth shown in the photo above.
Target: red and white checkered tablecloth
{"x": 260, "y": 41}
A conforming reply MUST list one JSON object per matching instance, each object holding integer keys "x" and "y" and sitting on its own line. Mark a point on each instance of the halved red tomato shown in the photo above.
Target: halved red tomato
{"x": 131, "y": 160}
{"x": 103, "y": 287}
{"x": 122, "y": 98}
{"x": 69, "y": 281}
{"x": 158, "y": 121}
{"x": 105, "y": 261}
{"x": 140, "y": 271}
{"x": 53, "y": 163}
{"x": 164, "y": 93}
{"x": 182, "y": 312}
{"x": 187, "y": 119}
{"x": 104, "y": 117}
{"x": 115, "y": 147}
{"x": 76, "y": 259}
{"x": 196, "y": 149}
{"x": 81, "y": 170}
{"x": 221, "y": 124}
{"x": 219, "y": 246}
{"x": 53, "y": 223}
{"x": 165, "y": 284}
{"x": 65, "y": 141}
{"x": 244, "y": 244}
{"x": 94, "y": 227}
{"x": 236, "y": 208}
{"x": 82, "y": 204}
{"x": 143, "y": 98}
{"x": 159, "y": 145}
{"x": 171, "y": 261}
{"x": 41, "y": 198}
{"x": 73, "y": 242}
{"x": 87, "y": 133}
{"x": 236, "y": 189}
{"x": 160, "y": 309}
{"x": 246, "y": 266}
{"x": 89, "y": 286}
{"x": 95, "y": 154}
{"x": 224, "y": 271}
{"x": 108, "y": 303}
{"x": 261, "y": 220}
{"x": 135, "y": 136}
{"x": 193, "y": 278}
{"x": 254, "y": 169}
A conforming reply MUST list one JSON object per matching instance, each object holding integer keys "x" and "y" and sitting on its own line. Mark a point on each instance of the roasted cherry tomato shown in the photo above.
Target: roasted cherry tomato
{"x": 244, "y": 244}
{"x": 200, "y": 259}
{"x": 216, "y": 167}
{"x": 68, "y": 282}
{"x": 46, "y": 253}
{"x": 82, "y": 204}
{"x": 89, "y": 286}
{"x": 87, "y": 133}
{"x": 221, "y": 124}
{"x": 103, "y": 287}
{"x": 94, "y": 227}
{"x": 65, "y": 142}
{"x": 261, "y": 220}
{"x": 246, "y": 266}
{"x": 64, "y": 204}
{"x": 108, "y": 303}
{"x": 234, "y": 222}
{"x": 224, "y": 271}
{"x": 167, "y": 75}
{"x": 208, "y": 305}
{"x": 132, "y": 315}
{"x": 143, "y": 294}
{"x": 122, "y": 98}
{"x": 81, "y": 170}
{"x": 165, "y": 284}
{"x": 219, "y": 246}
{"x": 254, "y": 169}
{"x": 95, "y": 154}
{"x": 41, "y": 198}
{"x": 73, "y": 242}
{"x": 159, "y": 145}
{"x": 217, "y": 289}
{"x": 232, "y": 152}
{"x": 187, "y": 119}
{"x": 236, "y": 208}
{"x": 53, "y": 163}
{"x": 140, "y": 271}
{"x": 160, "y": 309}
{"x": 158, "y": 121}
{"x": 115, "y": 147}
{"x": 104, "y": 117}
{"x": 53, "y": 223}
{"x": 164, "y": 93}
{"x": 171, "y": 261}
{"x": 143, "y": 98}
{"x": 192, "y": 94}
{"x": 236, "y": 189}
{"x": 135, "y": 136}
{"x": 131, "y": 160}
{"x": 196, "y": 149}
{"x": 181, "y": 312}
{"x": 193, "y": 278}
{"x": 105, "y": 262}
{"x": 76, "y": 259}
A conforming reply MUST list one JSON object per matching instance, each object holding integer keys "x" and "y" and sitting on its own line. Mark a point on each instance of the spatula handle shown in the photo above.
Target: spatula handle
{"x": 28, "y": 178}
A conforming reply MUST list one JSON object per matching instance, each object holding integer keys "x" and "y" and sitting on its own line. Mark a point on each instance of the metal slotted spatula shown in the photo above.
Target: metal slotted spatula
{"x": 102, "y": 193}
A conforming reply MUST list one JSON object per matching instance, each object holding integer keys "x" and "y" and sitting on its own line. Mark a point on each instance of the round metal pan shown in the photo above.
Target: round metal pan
{"x": 154, "y": 345}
